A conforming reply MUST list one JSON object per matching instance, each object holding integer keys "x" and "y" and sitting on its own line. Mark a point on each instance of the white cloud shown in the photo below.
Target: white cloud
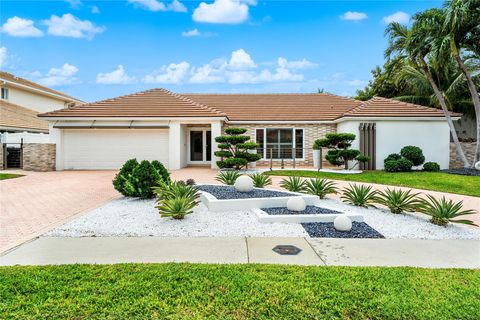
{"x": 94, "y": 9}
{"x": 196, "y": 33}
{"x": 117, "y": 76}
{"x": 207, "y": 74}
{"x": 223, "y": 11}
{"x": 353, "y": 16}
{"x": 399, "y": 16}
{"x": 3, "y": 56}
{"x": 171, "y": 74}
{"x": 240, "y": 59}
{"x": 357, "y": 83}
{"x": 60, "y": 76}
{"x": 19, "y": 27}
{"x": 155, "y": 5}
{"x": 75, "y": 4}
{"x": 297, "y": 64}
{"x": 70, "y": 26}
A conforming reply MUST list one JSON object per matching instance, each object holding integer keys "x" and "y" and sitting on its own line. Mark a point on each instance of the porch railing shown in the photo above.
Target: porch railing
{"x": 286, "y": 156}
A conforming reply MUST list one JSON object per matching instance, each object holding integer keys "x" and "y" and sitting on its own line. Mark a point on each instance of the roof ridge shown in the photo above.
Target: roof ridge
{"x": 201, "y": 105}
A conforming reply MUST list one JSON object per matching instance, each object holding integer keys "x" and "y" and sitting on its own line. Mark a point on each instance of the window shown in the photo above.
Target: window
{"x": 278, "y": 143}
{"x": 4, "y": 94}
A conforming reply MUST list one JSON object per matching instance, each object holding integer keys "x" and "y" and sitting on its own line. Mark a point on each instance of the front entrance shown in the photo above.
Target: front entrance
{"x": 199, "y": 146}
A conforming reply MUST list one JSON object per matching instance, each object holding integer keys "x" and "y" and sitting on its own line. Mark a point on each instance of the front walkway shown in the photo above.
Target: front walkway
{"x": 40, "y": 201}
{"x": 330, "y": 252}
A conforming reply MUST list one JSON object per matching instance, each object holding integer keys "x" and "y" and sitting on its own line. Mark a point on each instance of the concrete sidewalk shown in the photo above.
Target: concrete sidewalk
{"x": 320, "y": 251}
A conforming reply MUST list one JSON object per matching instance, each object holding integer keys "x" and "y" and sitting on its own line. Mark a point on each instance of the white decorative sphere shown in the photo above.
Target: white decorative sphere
{"x": 477, "y": 165}
{"x": 244, "y": 184}
{"x": 296, "y": 204}
{"x": 342, "y": 223}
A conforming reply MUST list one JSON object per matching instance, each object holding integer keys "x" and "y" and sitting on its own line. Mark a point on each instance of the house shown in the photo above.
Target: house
{"x": 179, "y": 129}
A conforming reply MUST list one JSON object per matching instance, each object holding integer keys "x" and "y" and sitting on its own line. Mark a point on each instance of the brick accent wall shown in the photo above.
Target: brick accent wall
{"x": 1, "y": 156}
{"x": 311, "y": 132}
{"x": 39, "y": 156}
{"x": 468, "y": 148}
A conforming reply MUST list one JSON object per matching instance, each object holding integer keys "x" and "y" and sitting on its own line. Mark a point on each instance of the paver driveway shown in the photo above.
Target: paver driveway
{"x": 40, "y": 201}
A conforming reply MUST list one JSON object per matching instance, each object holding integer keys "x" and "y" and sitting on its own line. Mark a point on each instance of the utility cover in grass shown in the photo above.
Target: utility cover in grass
{"x": 308, "y": 210}
{"x": 327, "y": 230}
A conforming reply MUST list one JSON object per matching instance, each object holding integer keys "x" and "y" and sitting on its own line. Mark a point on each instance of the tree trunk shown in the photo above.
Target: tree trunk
{"x": 446, "y": 112}
{"x": 475, "y": 98}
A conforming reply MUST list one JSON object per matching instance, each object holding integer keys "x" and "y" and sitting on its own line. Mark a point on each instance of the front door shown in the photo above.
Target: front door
{"x": 200, "y": 146}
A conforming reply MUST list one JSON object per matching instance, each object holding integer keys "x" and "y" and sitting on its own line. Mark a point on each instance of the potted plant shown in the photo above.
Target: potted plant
{"x": 317, "y": 156}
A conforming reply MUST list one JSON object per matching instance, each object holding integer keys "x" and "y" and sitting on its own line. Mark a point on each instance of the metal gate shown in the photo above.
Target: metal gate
{"x": 368, "y": 144}
{"x": 13, "y": 155}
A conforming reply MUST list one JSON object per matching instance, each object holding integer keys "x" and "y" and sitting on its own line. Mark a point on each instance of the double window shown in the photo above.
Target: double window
{"x": 280, "y": 143}
{"x": 4, "y": 94}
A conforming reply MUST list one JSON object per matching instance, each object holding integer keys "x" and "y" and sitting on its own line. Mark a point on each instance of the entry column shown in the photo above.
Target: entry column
{"x": 216, "y": 127}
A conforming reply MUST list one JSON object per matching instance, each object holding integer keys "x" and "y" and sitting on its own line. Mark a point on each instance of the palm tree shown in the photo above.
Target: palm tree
{"x": 412, "y": 45}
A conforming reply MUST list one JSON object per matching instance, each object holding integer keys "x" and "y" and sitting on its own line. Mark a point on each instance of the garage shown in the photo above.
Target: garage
{"x": 110, "y": 148}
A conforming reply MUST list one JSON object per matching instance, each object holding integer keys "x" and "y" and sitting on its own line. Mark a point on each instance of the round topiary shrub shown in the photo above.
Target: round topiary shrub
{"x": 143, "y": 178}
{"x": 431, "y": 167}
{"x": 404, "y": 165}
{"x": 162, "y": 171}
{"x": 391, "y": 166}
{"x": 123, "y": 175}
{"x": 392, "y": 156}
{"x": 414, "y": 154}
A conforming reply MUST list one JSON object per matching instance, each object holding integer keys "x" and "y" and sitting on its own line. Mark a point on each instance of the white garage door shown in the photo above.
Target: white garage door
{"x": 109, "y": 148}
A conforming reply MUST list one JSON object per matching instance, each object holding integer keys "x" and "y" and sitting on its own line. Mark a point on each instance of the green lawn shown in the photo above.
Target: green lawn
{"x": 436, "y": 181}
{"x": 196, "y": 291}
{"x": 4, "y": 176}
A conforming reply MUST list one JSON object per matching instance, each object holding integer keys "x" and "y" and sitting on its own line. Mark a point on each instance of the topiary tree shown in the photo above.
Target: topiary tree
{"x": 162, "y": 171}
{"x": 340, "y": 152}
{"x": 143, "y": 178}
{"x": 414, "y": 154}
{"x": 123, "y": 175}
{"x": 234, "y": 148}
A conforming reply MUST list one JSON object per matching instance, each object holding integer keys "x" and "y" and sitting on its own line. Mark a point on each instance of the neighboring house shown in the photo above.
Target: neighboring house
{"x": 179, "y": 129}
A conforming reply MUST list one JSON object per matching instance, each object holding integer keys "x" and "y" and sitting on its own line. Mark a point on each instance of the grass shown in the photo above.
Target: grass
{"x": 4, "y": 176}
{"x": 200, "y": 291}
{"x": 436, "y": 181}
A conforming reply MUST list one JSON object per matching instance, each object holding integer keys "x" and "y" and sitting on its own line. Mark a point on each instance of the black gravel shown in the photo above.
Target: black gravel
{"x": 463, "y": 171}
{"x": 229, "y": 192}
{"x": 308, "y": 210}
{"x": 327, "y": 230}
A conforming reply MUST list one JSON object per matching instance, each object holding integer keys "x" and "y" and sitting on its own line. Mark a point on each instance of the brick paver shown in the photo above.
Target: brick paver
{"x": 40, "y": 201}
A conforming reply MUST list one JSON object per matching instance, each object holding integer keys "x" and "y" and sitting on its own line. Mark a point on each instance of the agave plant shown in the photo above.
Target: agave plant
{"x": 293, "y": 184}
{"x": 228, "y": 177}
{"x": 260, "y": 180}
{"x": 359, "y": 195}
{"x": 397, "y": 200}
{"x": 175, "y": 199}
{"x": 177, "y": 208}
{"x": 320, "y": 187}
{"x": 443, "y": 211}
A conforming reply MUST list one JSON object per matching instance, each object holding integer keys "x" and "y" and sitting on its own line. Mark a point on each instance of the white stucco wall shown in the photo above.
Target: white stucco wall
{"x": 433, "y": 137}
{"x": 37, "y": 102}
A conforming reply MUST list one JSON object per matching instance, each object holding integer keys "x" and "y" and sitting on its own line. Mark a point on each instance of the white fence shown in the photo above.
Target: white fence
{"x": 27, "y": 137}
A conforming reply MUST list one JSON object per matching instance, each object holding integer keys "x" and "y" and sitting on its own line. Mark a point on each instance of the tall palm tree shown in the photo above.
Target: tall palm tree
{"x": 412, "y": 45}
{"x": 461, "y": 29}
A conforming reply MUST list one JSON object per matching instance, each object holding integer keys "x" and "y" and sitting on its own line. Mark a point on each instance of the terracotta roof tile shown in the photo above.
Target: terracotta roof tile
{"x": 15, "y": 116}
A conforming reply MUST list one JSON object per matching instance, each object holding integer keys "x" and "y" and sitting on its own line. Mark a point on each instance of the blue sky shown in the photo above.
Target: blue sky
{"x": 100, "y": 49}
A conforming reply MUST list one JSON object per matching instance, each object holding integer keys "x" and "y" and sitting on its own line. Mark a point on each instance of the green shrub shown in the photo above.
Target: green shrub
{"x": 443, "y": 211}
{"x": 294, "y": 184}
{"x": 359, "y": 195}
{"x": 260, "y": 180}
{"x": 339, "y": 152}
{"x": 143, "y": 178}
{"x": 123, "y": 175}
{"x": 234, "y": 149}
{"x": 320, "y": 187}
{"x": 177, "y": 208}
{"x": 228, "y": 177}
{"x": 397, "y": 200}
{"x": 404, "y": 165}
{"x": 414, "y": 154}
{"x": 391, "y": 166}
{"x": 175, "y": 199}
{"x": 162, "y": 171}
{"x": 392, "y": 156}
{"x": 431, "y": 166}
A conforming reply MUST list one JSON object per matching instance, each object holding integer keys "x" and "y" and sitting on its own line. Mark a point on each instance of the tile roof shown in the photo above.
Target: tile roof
{"x": 15, "y": 116}
{"x": 150, "y": 103}
{"x": 383, "y": 107}
{"x": 13, "y": 78}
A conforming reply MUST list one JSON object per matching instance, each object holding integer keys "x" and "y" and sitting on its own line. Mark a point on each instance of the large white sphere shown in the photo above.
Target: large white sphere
{"x": 342, "y": 223}
{"x": 296, "y": 204}
{"x": 477, "y": 165}
{"x": 244, "y": 184}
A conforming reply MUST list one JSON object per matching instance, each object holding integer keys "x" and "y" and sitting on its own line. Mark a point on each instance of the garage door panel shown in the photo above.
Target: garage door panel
{"x": 109, "y": 149}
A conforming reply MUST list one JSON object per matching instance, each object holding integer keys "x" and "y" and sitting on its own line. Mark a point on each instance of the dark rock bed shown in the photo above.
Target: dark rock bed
{"x": 308, "y": 210}
{"x": 327, "y": 230}
{"x": 229, "y": 192}
{"x": 463, "y": 171}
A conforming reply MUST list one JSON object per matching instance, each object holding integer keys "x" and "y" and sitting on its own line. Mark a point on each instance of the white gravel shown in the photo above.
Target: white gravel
{"x": 131, "y": 217}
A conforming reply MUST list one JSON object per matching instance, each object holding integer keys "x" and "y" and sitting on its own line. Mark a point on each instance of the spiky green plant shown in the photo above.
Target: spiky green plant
{"x": 320, "y": 187}
{"x": 175, "y": 199}
{"x": 177, "y": 208}
{"x": 444, "y": 211}
{"x": 260, "y": 180}
{"x": 359, "y": 195}
{"x": 228, "y": 177}
{"x": 293, "y": 184}
{"x": 398, "y": 200}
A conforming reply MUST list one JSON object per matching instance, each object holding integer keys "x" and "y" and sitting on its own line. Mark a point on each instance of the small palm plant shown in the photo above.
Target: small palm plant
{"x": 320, "y": 187}
{"x": 294, "y": 184}
{"x": 228, "y": 177}
{"x": 359, "y": 195}
{"x": 175, "y": 199}
{"x": 397, "y": 200}
{"x": 260, "y": 180}
{"x": 443, "y": 211}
